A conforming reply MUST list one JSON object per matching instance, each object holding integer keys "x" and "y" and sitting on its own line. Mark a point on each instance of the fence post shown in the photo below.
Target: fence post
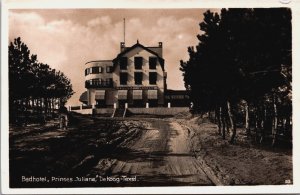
{"x": 169, "y": 104}
{"x": 126, "y": 105}
{"x": 147, "y": 105}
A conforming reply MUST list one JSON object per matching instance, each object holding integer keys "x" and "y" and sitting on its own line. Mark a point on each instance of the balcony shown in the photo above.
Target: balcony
{"x": 98, "y": 84}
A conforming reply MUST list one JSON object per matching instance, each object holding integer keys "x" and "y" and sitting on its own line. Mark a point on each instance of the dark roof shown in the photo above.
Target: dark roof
{"x": 176, "y": 92}
{"x": 83, "y": 97}
{"x": 127, "y": 49}
{"x": 98, "y": 61}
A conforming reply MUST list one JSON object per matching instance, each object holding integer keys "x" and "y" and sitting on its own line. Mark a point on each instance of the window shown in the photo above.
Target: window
{"x": 123, "y": 63}
{"x": 88, "y": 71}
{"x": 109, "y": 80}
{"x": 152, "y": 78}
{"x": 123, "y": 78}
{"x": 109, "y": 69}
{"x": 138, "y": 78}
{"x": 152, "y": 62}
{"x": 95, "y": 81}
{"x": 138, "y": 62}
{"x": 95, "y": 70}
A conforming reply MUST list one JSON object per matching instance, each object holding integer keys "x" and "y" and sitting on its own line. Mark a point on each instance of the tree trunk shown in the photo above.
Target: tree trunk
{"x": 275, "y": 123}
{"x": 33, "y": 104}
{"x": 58, "y": 102}
{"x": 247, "y": 125}
{"x": 263, "y": 123}
{"x": 287, "y": 124}
{"x": 44, "y": 103}
{"x": 232, "y": 123}
{"x": 222, "y": 110}
{"x": 45, "y": 106}
{"x": 216, "y": 120}
{"x": 48, "y": 105}
{"x": 51, "y": 104}
{"x": 209, "y": 115}
{"x": 218, "y": 115}
{"x": 228, "y": 124}
{"x": 38, "y": 104}
{"x": 27, "y": 102}
{"x": 256, "y": 128}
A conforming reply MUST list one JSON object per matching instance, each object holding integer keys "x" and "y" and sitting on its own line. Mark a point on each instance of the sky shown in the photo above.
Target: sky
{"x": 66, "y": 39}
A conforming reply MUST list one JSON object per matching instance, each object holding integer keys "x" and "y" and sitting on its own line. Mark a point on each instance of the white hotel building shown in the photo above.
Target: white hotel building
{"x": 136, "y": 77}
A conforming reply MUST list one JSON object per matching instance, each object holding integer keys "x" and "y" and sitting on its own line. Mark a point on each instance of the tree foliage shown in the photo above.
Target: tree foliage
{"x": 243, "y": 55}
{"x": 33, "y": 84}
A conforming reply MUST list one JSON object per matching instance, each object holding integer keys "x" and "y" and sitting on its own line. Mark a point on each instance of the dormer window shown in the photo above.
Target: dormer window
{"x": 123, "y": 63}
{"x": 138, "y": 62}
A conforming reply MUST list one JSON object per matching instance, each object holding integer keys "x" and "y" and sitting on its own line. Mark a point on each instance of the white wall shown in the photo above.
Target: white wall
{"x": 111, "y": 94}
{"x": 140, "y": 52}
{"x": 102, "y": 75}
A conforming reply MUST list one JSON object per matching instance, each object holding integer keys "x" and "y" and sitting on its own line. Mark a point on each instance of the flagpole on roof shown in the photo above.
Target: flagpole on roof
{"x": 124, "y": 29}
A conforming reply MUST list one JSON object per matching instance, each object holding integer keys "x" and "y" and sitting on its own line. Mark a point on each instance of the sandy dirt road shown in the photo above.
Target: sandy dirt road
{"x": 154, "y": 151}
{"x": 160, "y": 157}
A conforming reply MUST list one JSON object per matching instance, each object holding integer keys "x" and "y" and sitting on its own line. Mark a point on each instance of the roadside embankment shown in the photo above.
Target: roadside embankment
{"x": 244, "y": 163}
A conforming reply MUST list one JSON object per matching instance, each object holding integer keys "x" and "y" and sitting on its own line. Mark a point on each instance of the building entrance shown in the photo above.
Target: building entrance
{"x": 122, "y": 103}
{"x": 153, "y": 103}
{"x": 100, "y": 104}
{"x": 138, "y": 103}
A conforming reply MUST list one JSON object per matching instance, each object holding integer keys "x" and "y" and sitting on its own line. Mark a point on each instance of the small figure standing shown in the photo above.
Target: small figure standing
{"x": 192, "y": 108}
{"x": 63, "y": 118}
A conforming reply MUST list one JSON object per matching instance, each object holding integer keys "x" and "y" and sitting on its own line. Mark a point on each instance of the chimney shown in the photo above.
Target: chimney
{"x": 122, "y": 46}
{"x": 160, "y": 49}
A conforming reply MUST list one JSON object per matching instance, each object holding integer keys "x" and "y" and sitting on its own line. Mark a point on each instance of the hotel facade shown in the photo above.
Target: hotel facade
{"x": 135, "y": 78}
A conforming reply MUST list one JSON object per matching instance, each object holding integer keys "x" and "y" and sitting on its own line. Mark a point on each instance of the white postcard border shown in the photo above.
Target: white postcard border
{"x": 49, "y": 4}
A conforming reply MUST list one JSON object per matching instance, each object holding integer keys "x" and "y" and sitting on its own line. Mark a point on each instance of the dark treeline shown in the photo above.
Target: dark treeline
{"x": 241, "y": 71}
{"x": 34, "y": 87}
